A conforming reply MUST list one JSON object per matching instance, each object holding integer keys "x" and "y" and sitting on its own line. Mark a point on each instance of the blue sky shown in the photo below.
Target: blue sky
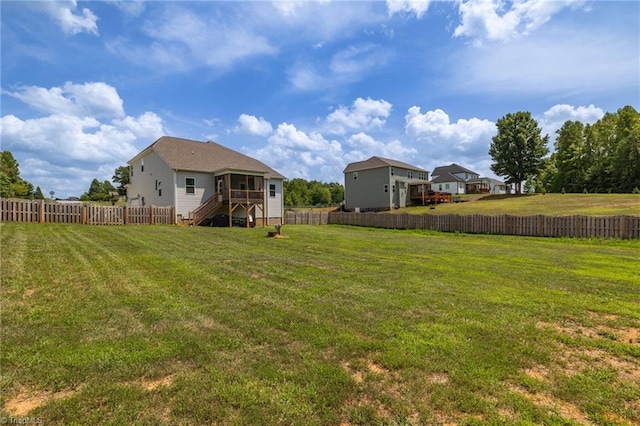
{"x": 306, "y": 87}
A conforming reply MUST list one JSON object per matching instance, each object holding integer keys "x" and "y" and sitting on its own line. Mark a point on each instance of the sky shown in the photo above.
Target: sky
{"x": 304, "y": 86}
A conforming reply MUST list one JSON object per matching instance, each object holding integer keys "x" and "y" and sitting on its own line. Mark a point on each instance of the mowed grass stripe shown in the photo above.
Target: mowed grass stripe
{"x": 329, "y": 325}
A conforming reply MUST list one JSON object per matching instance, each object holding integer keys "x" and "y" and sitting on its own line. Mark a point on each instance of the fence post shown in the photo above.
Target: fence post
{"x": 623, "y": 227}
{"x": 151, "y": 215}
{"x": 84, "y": 214}
{"x": 40, "y": 211}
{"x": 540, "y": 225}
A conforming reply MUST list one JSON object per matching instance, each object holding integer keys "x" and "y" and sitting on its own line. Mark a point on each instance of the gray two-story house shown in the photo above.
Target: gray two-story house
{"x": 383, "y": 184}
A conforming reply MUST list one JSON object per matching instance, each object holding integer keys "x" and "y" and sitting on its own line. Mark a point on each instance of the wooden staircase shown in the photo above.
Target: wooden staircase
{"x": 206, "y": 209}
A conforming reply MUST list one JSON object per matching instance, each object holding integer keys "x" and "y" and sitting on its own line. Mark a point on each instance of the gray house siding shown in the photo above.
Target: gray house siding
{"x": 368, "y": 190}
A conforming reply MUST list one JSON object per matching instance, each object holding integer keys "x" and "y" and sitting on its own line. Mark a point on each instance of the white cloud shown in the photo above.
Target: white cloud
{"x": 346, "y": 66}
{"x": 88, "y": 99}
{"x": 296, "y": 153}
{"x": 129, "y": 7}
{"x": 419, "y": 7}
{"x": 61, "y": 138}
{"x": 74, "y": 135}
{"x": 365, "y": 146}
{"x": 253, "y": 125}
{"x": 64, "y": 13}
{"x": 287, "y": 135}
{"x": 364, "y": 114}
{"x": 500, "y": 21}
{"x": 436, "y": 128}
{"x": 557, "y": 115}
{"x": 194, "y": 39}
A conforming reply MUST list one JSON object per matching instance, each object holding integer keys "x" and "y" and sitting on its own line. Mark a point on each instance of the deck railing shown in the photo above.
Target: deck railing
{"x": 243, "y": 196}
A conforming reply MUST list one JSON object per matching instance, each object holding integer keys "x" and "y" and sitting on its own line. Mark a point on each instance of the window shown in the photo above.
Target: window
{"x": 410, "y": 174}
{"x": 159, "y": 192}
{"x": 142, "y": 165}
{"x": 446, "y": 186}
{"x": 190, "y": 185}
{"x": 272, "y": 190}
{"x": 131, "y": 170}
{"x": 355, "y": 175}
{"x": 386, "y": 188}
{"x": 392, "y": 171}
{"x": 440, "y": 187}
{"x": 393, "y": 188}
{"x": 156, "y": 184}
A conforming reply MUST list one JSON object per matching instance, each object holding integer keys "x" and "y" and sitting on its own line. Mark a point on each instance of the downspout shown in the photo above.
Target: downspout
{"x": 265, "y": 205}
{"x": 175, "y": 195}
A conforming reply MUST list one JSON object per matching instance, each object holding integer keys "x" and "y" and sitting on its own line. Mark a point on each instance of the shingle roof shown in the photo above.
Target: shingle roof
{"x": 446, "y": 177}
{"x": 377, "y": 162}
{"x": 210, "y": 157}
{"x": 452, "y": 168}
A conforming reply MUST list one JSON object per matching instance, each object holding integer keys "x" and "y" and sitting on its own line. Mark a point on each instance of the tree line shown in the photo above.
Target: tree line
{"x": 300, "y": 192}
{"x": 599, "y": 157}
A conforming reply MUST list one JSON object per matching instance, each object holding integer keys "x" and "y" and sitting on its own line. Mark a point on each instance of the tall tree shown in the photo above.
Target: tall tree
{"x": 320, "y": 194}
{"x": 599, "y": 147}
{"x": 11, "y": 184}
{"x": 518, "y": 150}
{"x": 626, "y": 161}
{"x": 38, "y": 195}
{"x": 569, "y": 158}
{"x": 122, "y": 177}
{"x": 98, "y": 191}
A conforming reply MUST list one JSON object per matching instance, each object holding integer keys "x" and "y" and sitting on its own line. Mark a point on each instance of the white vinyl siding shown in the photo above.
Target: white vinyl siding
{"x": 143, "y": 183}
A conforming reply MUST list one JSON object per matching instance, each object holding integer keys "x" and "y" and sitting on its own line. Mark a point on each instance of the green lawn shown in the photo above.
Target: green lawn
{"x": 546, "y": 204}
{"x": 329, "y": 325}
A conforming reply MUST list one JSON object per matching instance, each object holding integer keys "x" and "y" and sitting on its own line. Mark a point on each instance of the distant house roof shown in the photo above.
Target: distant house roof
{"x": 209, "y": 157}
{"x": 452, "y": 168}
{"x": 446, "y": 177}
{"x": 378, "y": 162}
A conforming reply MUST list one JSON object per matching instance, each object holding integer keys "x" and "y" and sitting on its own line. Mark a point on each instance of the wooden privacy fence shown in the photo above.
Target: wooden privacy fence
{"x": 41, "y": 211}
{"x": 627, "y": 227}
{"x": 306, "y": 218}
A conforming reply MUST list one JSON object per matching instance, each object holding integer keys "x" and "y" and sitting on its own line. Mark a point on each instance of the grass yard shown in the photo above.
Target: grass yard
{"x": 546, "y": 204}
{"x": 327, "y": 326}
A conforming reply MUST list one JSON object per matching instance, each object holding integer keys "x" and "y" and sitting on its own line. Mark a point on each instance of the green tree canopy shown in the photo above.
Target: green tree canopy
{"x": 122, "y": 177}
{"x": 300, "y": 192}
{"x": 569, "y": 158}
{"x": 602, "y": 157}
{"x": 98, "y": 191}
{"x": 11, "y": 184}
{"x": 518, "y": 150}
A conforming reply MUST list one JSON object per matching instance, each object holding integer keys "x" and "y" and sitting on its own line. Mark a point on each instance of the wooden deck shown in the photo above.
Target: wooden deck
{"x": 427, "y": 196}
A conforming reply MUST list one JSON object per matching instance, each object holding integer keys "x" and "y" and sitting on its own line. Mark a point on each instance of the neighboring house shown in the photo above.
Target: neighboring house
{"x": 203, "y": 179}
{"x": 383, "y": 184}
{"x": 456, "y": 179}
{"x": 495, "y": 186}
